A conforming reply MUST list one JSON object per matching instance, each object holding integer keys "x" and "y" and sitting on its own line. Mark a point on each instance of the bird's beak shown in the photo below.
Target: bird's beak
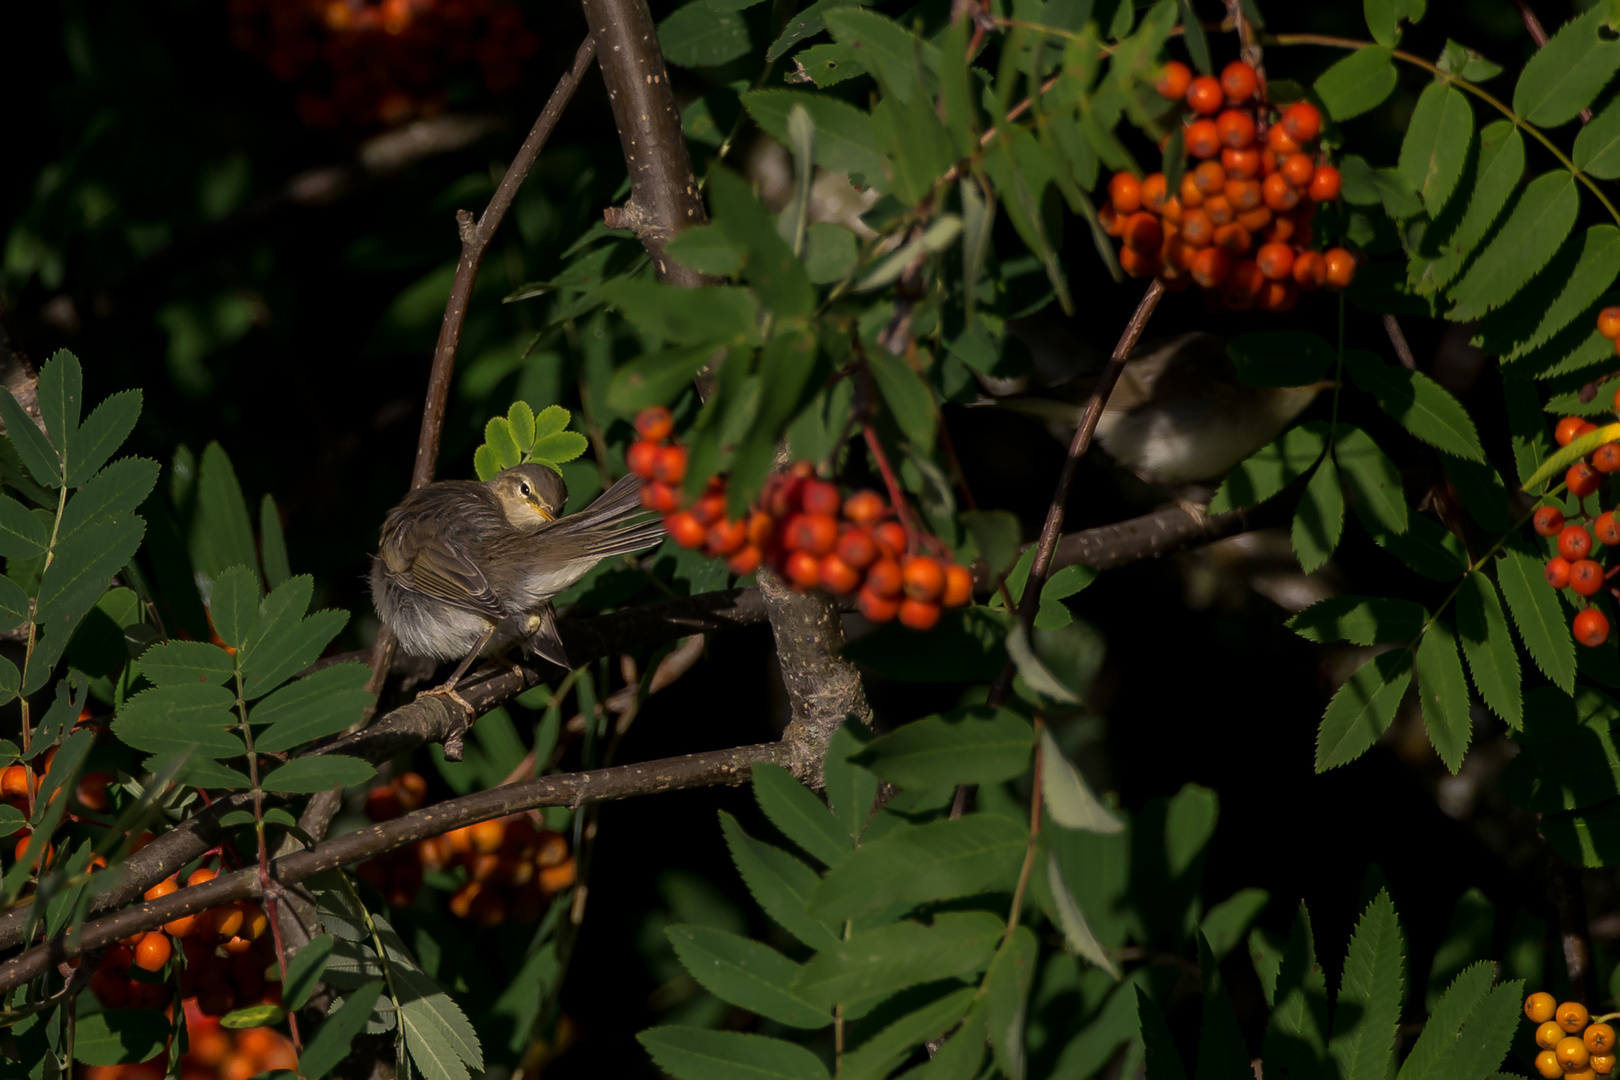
{"x": 543, "y": 512}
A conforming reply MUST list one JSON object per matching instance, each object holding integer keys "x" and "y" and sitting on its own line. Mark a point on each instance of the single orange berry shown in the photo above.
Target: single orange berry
{"x": 1572, "y": 1053}
{"x": 884, "y": 578}
{"x": 918, "y": 614}
{"x": 486, "y": 836}
{"x": 1174, "y": 80}
{"x": 1259, "y": 218}
{"x": 1236, "y": 129}
{"x": 761, "y": 527}
{"x": 1125, "y": 193}
{"x": 642, "y": 457}
{"x": 1582, "y": 480}
{"x": 1606, "y": 458}
{"x": 92, "y": 791}
{"x": 1211, "y": 268}
{"x": 876, "y": 608}
{"x": 1310, "y": 271}
{"x": 200, "y": 876}
{"x": 1280, "y": 142}
{"x": 922, "y": 578}
{"x": 227, "y": 920}
{"x": 162, "y": 889}
{"x": 1276, "y": 261}
{"x": 1574, "y": 542}
{"x": 1138, "y": 264}
{"x": 1606, "y": 529}
{"x": 745, "y": 561}
{"x": 684, "y": 529}
{"x": 655, "y": 423}
{"x": 1197, "y": 230}
{"x": 671, "y": 465}
{"x": 1547, "y": 1065}
{"x": 1341, "y": 268}
{"x": 802, "y": 569}
{"x": 1548, "y": 521}
{"x": 813, "y": 533}
{"x": 1298, "y": 169}
{"x": 1301, "y": 121}
{"x": 1567, "y": 429}
{"x": 958, "y": 586}
{"x": 184, "y": 926}
{"x": 1243, "y": 163}
{"x": 1591, "y": 629}
{"x": 1539, "y": 1007}
{"x": 1601, "y": 1064}
{"x": 660, "y": 497}
{"x": 710, "y": 507}
{"x": 153, "y": 952}
{"x": 1244, "y": 195}
{"x": 1599, "y": 1038}
{"x": 1279, "y": 193}
{"x": 1210, "y": 177}
{"x": 891, "y": 538}
{"x": 1278, "y": 296}
{"x": 725, "y": 538}
{"x": 1608, "y": 322}
{"x": 857, "y": 549}
{"x": 1143, "y": 233}
{"x": 1557, "y": 573}
{"x": 1203, "y": 139}
{"x": 14, "y": 782}
{"x": 1238, "y": 81}
{"x": 1219, "y": 209}
{"x": 1188, "y": 194}
{"x": 820, "y": 497}
{"x": 412, "y": 788}
{"x": 1233, "y": 239}
{"x": 837, "y": 576}
{"x": 382, "y": 804}
{"x": 1154, "y": 192}
{"x": 1325, "y": 184}
{"x": 1585, "y": 578}
{"x": 1205, "y": 96}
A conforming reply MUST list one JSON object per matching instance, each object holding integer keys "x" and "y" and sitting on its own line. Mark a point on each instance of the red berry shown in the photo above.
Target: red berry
{"x": 812, "y": 533}
{"x": 1242, "y": 164}
{"x": 1298, "y": 169}
{"x": 1325, "y": 184}
{"x": 1280, "y": 142}
{"x": 919, "y": 614}
{"x": 958, "y": 586}
{"x": 1606, "y": 458}
{"x": 685, "y": 529}
{"x": 660, "y": 497}
{"x": 1585, "y": 577}
{"x": 857, "y": 549}
{"x": 1279, "y": 194}
{"x": 1203, "y": 138}
{"x": 725, "y": 538}
{"x": 1548, "y": 521}
{"x": 1205, "y": 96}
{"x": 1236, "y": 129}
{"x": 1310, "y": 271}
{"x": 837, "y": 576}
{"x": 1574, "y": 542}
{"x": 1211, "y": 267}
{"x": 1301, "y": 121}
{"x": 1557, "y": 573}
{"x": 1238, "y": 81}
{"x": 820, "y": 497}
{"x": 922, "y": 578}
{"x": 1154, "y": 192}
{"x": 891, "y": 538}
{"x": 642, "y": 457}
{"x": 153, "y": 951}
{"x": 1276, "y": 261}
{"x": 710, "y": 508}
{"x": 874, "y": 607}
{"x": 1567, "y": 429}
{"x": 1582, "y": 479}
{"x": 1607, "y": 529}
{"x": 865, "y": 507}
{"x": 1174, "y": 80}
{"x": 1608, "y": 322}
{"x": 1341, "y": 268}
{"x": 92, "y": 791}
{"x": 1591, "y": 627}
{"x": 802, "y": 569}
{"x": 761, "y": 529}
{"x": 1125, "y": 193}
{"x": 883, "y": 578}
{"x": 1144, "y": 233}
{"x": 670, "y": 467}
{"x": 655, "y": 423}
{"x": 745, "y": 561}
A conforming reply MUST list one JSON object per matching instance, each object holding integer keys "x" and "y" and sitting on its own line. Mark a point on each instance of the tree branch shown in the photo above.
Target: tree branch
{"x": 707, "y": 769}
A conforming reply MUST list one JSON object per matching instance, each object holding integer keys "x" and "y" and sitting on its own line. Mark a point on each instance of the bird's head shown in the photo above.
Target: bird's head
{"x": 530, "y": 495}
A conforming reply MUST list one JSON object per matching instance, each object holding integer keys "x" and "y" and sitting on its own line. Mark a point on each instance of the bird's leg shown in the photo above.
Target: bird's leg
{"x": 452, "y": 742}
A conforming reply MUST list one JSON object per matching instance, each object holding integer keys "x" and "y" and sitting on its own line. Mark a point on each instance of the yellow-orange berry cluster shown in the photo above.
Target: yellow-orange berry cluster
{"x": 212, "y": 1053}
{"x": 1239, "y": 222}
{"x": 513, "y": 867}
{"x": 1572, "y": 1045}
{"x": 805, "y": 529}
{"x": 1575, "y": 566}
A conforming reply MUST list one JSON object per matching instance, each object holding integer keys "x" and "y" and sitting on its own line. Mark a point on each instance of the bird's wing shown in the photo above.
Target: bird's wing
{"x": 1189, "y": 363}
{"x": 545, "y": 642}
{"x": 445, "y": 572}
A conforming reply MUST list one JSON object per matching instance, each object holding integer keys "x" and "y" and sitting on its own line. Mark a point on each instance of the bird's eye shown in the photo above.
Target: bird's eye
{"x": 525, "y": 489}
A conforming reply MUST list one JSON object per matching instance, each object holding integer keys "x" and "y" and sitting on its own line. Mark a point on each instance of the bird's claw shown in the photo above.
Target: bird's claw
{"x": 453, "y": 741}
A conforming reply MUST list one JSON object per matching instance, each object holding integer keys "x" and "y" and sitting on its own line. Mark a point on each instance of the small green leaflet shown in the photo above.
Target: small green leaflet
{"x": 522, "y": 436}
{"x": 1362, "y": 709}
{"x": 1422, "y": 406}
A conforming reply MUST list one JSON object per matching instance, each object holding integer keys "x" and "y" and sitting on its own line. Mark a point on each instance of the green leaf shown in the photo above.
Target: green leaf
{"x": 876, "y": 1057}
{"x": 1224, "y": 924}
{"x": 907, "y": 396}
{"x": 888, "y": 958}
{"x": 1566, "y": 456}
{"x": 222, "y": 535}
{"x": 769, "y": 265}
{"x": 1006, "y": 1000}
{"x": 830, "y": 252}
{"x": 778, "y": 882}
{"x": 1595, "y": 270}
{"x": 1158, "y": 1044}
{"x": 1485, "y": 1038}
{"x": 33, "y": 448}
{"x": 845, "y": 140}
{"x": 120, "y": 487}
{"x": 61, "y": 396}
{"x": 1222, "y": 1052}
{"x": 1373, "y": 480}
{"x": 1068, "y": 797}
{"x": 1436, "y": 144}
{"x": 851, "y": 789}
{"x": 1422, "y": 406}
{"x": 13, "y": 604}
{"x": 184, "y": 717}
{"x": 520, "y": 421}
{"x": 1358, "y": 83}
{"x": 1036, "y": 676}
{"x": 441, "y": 1039}
{"x": 559, "y": 447}
{"x": 973, "y": 745}
{"x": 22, "y": 535}
{"x": 72, "y": 585}
{"x": 1436, "y": 1047}
{"x": 185, "y": 663}
{"x": 117, "y": 1036}
{"x": 1443, "y": 695}
{"x": 335, "y": 1038}
{"x": 234, "y": 605}
{"x": 698, "y": 36}
{"x": 1425, "y": 547}
{"x": 655, "y": 378}
{"x": 273, "y": 544}
{"x": 324, "y": 703}
{"x": 1362, "y": 709}
{"x": 1488, "y": 646}
{"x": 938, "y": 861}
{"x": 705, "y": 249}
{"x": 1384, "y": 18}
{"x": 1527, "y": 241}
{"x": 102, "y": 433}
{"x": 288, "y": 647}
{"x": 1319, "y": 521}
{"x": 1501, "y": 164}
{"x": 1368, "y": 1007}
{"x": 484, "y": 463}
{"x": 1077, "y": 933}
{"x": 498, "y": 437}
{"x": 318, "y": 773}
{"x": 729, "y": 313}
{"x": 1271, "y": 468}
{"x": 787, "y": 368}
{"x": 1597, "y": 146}
{"x": 1280, "y": 357}
{"x": 745, "y": 973}
{"x": 688, "y": 1053}
{"x": 1296, "y": 1038}
{"x": 802, "y": 817}
{"x": 1566, "y": 75}
{"x": 1539, "y": 616}
{"x": 304, "y": 970}
{"x": 253, "y": 1016}
{"x": 901, "y": 61}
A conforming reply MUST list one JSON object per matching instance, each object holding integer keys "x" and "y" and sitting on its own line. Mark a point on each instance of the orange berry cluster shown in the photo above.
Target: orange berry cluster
{"x": 369, "y": 63}
{"x": 795, "y": 529}
{"x": 1239, "y": 223}
{"x": 213, "y": 1053}
{"x": 1573, "y": 567}
{"x": 513, "y": 867}
{"x": 1571, "y": 1044}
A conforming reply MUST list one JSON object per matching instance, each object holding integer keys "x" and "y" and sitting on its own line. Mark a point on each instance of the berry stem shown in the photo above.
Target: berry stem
{"x": 896, "y": 495}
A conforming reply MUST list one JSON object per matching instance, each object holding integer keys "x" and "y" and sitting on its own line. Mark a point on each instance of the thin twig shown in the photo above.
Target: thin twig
{"x": 1398, "y": 340}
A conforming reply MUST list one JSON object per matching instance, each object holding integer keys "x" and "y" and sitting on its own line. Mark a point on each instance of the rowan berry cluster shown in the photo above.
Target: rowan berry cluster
{"x": 1574, "y": 567}
{"x": 805, "y": 529}
{"x": 1239, "y": 222}
{"x": 213, "y": 1053}
{"x": 513, "y": 868}
{"x": 369, "y": 63}
{"x": 1572, "y": 1045}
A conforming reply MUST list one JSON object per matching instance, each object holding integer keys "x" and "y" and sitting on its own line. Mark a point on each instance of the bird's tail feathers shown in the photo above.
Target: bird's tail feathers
{"x": 620, "y": 502}
{"x": 635, "y": 538}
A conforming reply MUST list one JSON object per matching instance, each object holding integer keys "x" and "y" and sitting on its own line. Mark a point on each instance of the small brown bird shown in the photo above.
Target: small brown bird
{"x": 468, "y": 569}
{"x": 1178, "y": 414}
